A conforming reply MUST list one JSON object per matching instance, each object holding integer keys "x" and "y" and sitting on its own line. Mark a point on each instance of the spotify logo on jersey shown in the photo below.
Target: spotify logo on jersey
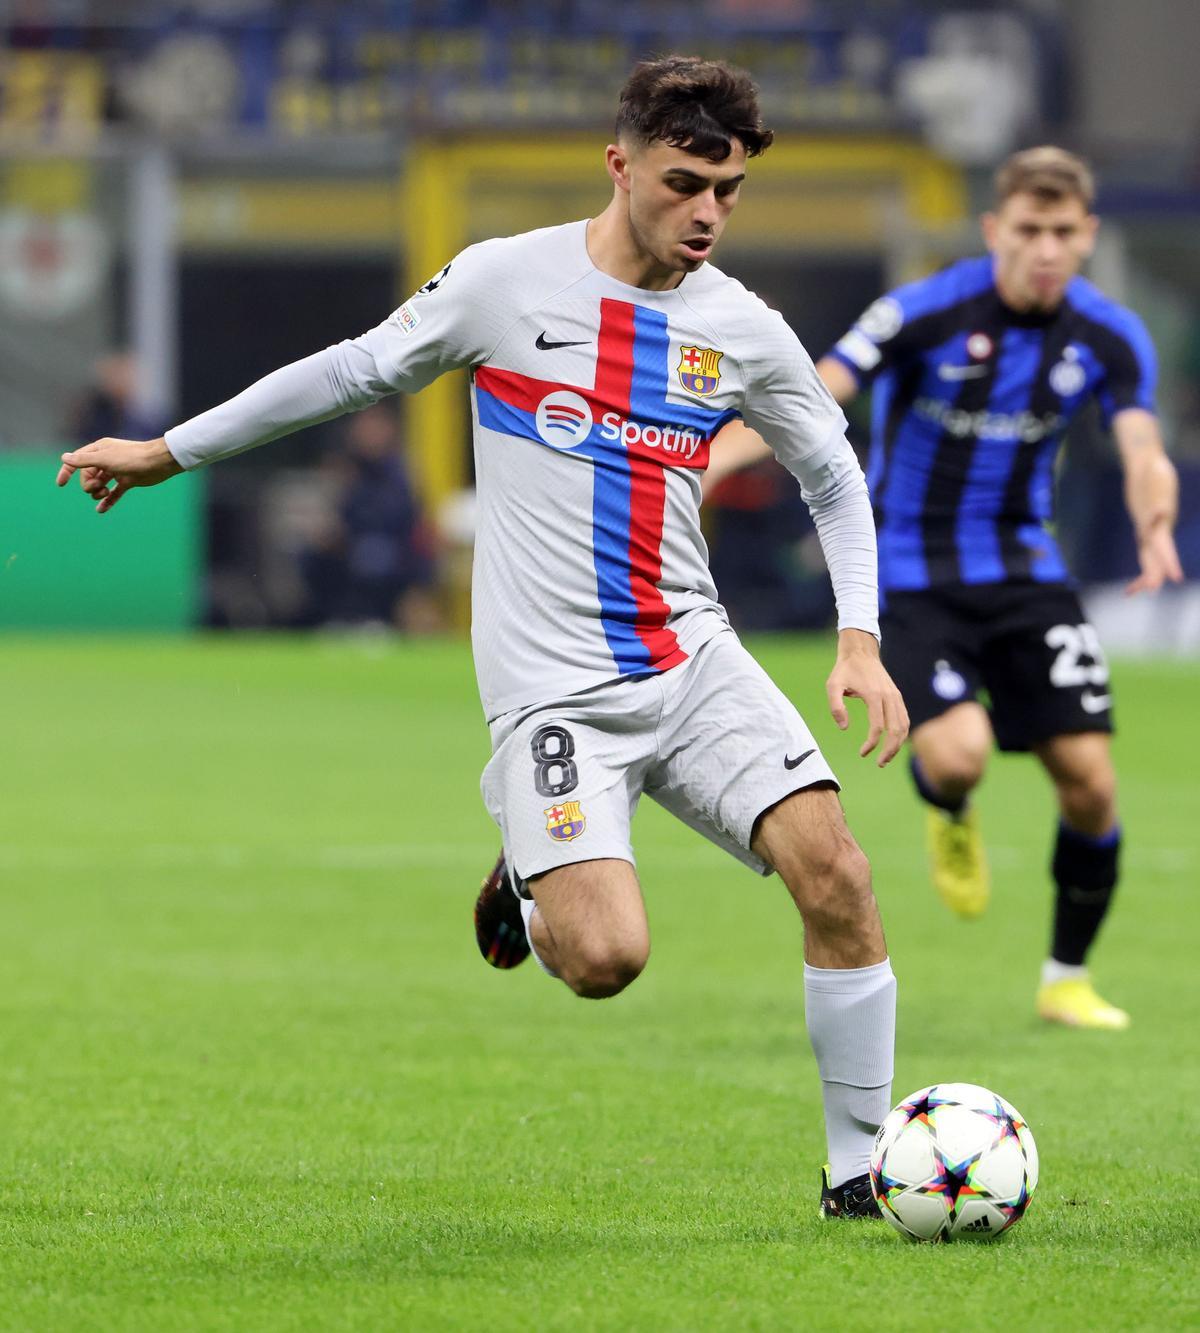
{"x": 563, "y": 419}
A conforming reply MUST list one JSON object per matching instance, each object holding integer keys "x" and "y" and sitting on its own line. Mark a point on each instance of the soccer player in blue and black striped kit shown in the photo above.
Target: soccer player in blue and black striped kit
{"x": 976, "y": 373}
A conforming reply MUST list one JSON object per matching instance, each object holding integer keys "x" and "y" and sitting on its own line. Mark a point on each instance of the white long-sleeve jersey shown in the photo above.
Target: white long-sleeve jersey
{"x": 594, "y": 405}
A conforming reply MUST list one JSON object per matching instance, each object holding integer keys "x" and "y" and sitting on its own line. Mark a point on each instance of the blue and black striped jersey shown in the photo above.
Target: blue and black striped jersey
{"x": 971, "y": 402}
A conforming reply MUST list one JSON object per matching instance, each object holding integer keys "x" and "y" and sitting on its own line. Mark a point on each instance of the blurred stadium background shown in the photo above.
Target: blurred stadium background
{"x": 194, "y": 193}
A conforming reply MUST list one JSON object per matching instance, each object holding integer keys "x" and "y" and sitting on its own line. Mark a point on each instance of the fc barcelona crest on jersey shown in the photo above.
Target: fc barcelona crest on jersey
{"x": 699, "y": 370}
{"x": 565, "y": 822}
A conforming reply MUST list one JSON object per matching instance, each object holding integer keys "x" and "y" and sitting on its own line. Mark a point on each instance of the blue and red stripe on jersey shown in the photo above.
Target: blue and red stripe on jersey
{"x": 629, "y": 477}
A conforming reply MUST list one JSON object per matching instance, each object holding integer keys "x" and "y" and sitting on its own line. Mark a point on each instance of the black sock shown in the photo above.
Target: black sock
{"x": 1085, "y": 870}
{"x": 930, "y": 794}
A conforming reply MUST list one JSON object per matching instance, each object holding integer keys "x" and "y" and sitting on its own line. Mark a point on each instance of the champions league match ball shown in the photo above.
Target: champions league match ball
{"x": 954, "y": 1161}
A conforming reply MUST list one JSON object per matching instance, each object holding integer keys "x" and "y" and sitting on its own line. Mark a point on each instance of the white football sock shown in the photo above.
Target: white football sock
{"x": 851, "y": 1016}
{"x": 1053, "y": 970}
{"x": 528, "y": 907}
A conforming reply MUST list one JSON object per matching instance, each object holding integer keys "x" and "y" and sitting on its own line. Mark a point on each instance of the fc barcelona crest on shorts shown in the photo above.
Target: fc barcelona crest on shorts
{"x": 565, "y": 821}
{"x": 700, "y": 370}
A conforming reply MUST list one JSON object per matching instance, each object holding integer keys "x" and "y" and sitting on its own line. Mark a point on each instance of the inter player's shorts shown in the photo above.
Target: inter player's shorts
{"x": 713, "y": 741}
{"x": 1028, "y": 645}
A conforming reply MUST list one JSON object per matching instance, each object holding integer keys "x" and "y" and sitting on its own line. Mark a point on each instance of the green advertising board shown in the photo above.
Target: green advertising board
{"x": 63, "y": 566}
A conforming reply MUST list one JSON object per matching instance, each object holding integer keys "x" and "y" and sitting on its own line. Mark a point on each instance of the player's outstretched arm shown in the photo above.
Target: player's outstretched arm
{"x": 859, "y": 673}
{"x": 108, "y": 468}
{"x": 837, "y": 379}
{"x": 1151, "y": 496}
{"x": 736, "y": 446}
{"x": 459, "y": 320}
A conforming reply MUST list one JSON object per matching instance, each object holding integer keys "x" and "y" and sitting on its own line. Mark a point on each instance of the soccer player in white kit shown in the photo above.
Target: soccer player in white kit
{"x": 605, "y": 355}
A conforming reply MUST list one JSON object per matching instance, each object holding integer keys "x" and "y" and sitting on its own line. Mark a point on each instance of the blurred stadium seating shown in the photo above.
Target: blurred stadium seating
{"x": 223, "y": 186}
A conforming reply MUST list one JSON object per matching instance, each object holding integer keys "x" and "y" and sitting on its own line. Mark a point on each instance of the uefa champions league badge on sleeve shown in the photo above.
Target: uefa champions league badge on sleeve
{"x": 947, "y": 683}
{"x": 565, "y": 822}
{"x": 427, "y": 289}
{"x": 882, "y": 319}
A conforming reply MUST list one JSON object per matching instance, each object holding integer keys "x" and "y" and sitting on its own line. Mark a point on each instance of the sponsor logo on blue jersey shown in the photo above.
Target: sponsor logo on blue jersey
{"x": 985, "y": 425}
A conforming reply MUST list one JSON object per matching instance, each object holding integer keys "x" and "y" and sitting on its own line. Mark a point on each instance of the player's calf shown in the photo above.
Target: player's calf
{"x": 1085, "y": 868}
{"x": 849, "y": 989}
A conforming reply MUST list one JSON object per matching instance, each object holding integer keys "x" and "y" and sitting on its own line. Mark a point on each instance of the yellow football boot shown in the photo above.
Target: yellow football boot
{"x": 958, "y": 862}
{"x": 1074, "y": 1002}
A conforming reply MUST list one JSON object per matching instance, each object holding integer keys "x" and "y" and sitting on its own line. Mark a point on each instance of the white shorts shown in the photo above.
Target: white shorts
{"x": 713, "y": 740}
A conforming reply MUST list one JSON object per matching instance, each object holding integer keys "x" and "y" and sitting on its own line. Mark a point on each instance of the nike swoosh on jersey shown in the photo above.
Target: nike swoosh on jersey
{"x": 789, "y": 762}
{"x": 954, "y": 373}
{"x": 543, "y": 346}
{"x": 1094, "y": 703}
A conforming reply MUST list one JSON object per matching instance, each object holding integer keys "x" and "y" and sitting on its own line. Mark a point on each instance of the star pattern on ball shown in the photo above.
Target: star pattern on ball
{"x": 999, "y": 1115}
{"x": 922, "y": 1108}
{"x": 954, "y": 1178}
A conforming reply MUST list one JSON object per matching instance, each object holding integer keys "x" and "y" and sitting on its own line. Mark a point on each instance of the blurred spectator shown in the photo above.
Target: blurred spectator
{"x": 110, "y": 405}
{"x": 765, "y": 555}
{"x": 370, "y": 559}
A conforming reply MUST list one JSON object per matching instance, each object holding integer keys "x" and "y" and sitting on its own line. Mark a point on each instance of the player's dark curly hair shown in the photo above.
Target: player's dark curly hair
{"x": 694, "y": 104}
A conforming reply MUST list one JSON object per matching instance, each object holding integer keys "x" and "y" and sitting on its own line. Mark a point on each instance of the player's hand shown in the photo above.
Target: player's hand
{"x": 1158, "y": 558}
{"x": 859, "y": 674}
{"x": 108, "y": 468}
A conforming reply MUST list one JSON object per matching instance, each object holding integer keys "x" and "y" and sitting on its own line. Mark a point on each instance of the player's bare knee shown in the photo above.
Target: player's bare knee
{"x": 846, "y": 900}
{"x": 597, "y": 972}
{"x": 832, "y": 886}
{"x": 1088, "y": 800}
{"x": 953, "y": 749}
{"x": 957, "y": 768}
{"x": 965, "y": 770}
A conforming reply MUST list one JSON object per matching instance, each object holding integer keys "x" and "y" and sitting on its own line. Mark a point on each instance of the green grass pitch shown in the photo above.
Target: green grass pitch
{"x": 253, "y": 1074}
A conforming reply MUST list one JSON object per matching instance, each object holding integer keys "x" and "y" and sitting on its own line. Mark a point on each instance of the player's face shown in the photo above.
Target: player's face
{"x": 1039, "y": 247}
{"x": 679, "y": 203}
